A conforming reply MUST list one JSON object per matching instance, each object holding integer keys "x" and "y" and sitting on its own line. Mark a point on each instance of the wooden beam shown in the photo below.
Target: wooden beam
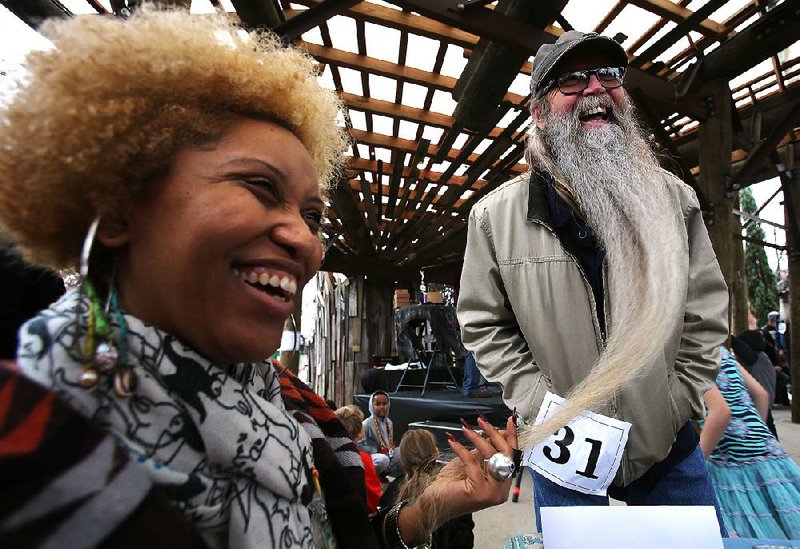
{"x": 394, "y": 184}
{"x": 409, "y": 146}
{"x": 683, "y": 170}
{"x": 649, "y": 33}
{"x": 386, "y": 108}
{"x": 258, "y": 13}
{"x": 489, "y": 157}
{"x": 453, "y": 240}
{"x": 610, "y": 16}
{"x": 379, "y": 67}
{"x": 495, "y": 181}
{"x": 496, "y": 26}
{"x": 35, "y": 12}
{"x": 369, "y": 206}
{"x": 420, "y": 220}
{"x": 304, "y": 21}
{"x": 758, "y": 242}
{"x": 678, "y": 14}
{"x": 357, "y": 187}
{"x": 790, "y": 182}
{"x": 337, "y": 262}
{"x": 493, "y": 66}
{"x": 444, "y": 273}
{"x": 438, "y": 178}
{"x": 684, "y": 56}
{"x": 486, "y": 23}
{"x": 764, "y": 149}
{"x": 412, "y": 179}
{"x": 404, "y": 21}
{"x": 759, "y": 220}
{"x": 715, "y": 140}
{"x": 680, "y": 30}
{"x": 347, "y": 211}
{"x": 772, "y": 32}
{"x": 772, "y": 111}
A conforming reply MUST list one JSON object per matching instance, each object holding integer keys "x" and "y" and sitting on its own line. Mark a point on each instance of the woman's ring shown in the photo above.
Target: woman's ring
{"x": 500, "y": 466}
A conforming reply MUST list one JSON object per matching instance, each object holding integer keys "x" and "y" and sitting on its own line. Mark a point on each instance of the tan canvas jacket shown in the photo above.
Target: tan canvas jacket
{"x": 529, "y": 315}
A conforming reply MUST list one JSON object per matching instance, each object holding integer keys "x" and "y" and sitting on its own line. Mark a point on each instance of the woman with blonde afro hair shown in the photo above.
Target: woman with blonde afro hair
{"x": 90, "y": 130}
{"x": 180, "y": 164}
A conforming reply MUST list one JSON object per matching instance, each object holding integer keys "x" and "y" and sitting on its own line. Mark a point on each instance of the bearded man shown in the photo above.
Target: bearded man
{"x": 593, "y": 278}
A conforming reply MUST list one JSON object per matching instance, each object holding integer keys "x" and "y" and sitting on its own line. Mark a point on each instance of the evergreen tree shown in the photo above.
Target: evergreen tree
{"x": 762, "y": 285}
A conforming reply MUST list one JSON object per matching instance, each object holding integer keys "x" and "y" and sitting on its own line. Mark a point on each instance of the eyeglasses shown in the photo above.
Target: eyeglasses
{"x": 574, "y": 82}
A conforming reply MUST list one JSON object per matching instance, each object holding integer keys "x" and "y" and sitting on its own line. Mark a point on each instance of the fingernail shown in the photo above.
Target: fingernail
{"x": 514, "y": 415}
{"x": 450, "y": 437}
{"x": 464, "y": 423}
{"x": 480, "y": 415}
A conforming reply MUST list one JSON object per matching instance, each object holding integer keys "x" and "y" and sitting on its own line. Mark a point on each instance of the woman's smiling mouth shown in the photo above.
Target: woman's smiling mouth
{"x": 278, "y": 284}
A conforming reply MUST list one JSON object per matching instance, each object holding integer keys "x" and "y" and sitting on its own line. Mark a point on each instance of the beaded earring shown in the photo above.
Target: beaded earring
{"x": 105, "y": 354}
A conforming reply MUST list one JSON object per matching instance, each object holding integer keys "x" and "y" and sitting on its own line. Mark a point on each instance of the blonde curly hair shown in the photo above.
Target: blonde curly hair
{"x": 351, "y": 417}
{"x": 100, "y": 117}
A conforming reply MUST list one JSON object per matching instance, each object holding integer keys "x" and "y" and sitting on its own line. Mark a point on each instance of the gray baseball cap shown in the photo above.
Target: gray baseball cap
{"x": 549, "y": 55}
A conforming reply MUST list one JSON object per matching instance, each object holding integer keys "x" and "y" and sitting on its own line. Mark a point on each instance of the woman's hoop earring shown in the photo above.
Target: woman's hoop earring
{"x": 295, "y": 334}
{"x": 105, "y": 353}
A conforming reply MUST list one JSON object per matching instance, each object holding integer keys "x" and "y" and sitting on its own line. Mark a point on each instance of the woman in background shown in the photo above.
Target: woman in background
{"x": 757, "y": 484}
{"x": 352, "y": 417}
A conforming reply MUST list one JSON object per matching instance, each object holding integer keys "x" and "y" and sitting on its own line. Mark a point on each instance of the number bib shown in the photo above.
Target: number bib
{"x": 582, "y": 456}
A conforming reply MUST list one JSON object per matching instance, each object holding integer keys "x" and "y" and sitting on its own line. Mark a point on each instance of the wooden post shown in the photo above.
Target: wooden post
{"x": 740, "y": 305}
{"x": 715, "y": 142}
{"x": 791, "y": 198}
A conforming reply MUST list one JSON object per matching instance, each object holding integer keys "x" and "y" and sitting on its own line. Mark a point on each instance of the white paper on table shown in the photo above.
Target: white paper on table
{"x": 635, "y": 527}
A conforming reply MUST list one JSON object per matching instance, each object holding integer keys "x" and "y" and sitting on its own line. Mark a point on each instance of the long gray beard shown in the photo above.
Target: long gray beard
{"x": 613, "y": 175}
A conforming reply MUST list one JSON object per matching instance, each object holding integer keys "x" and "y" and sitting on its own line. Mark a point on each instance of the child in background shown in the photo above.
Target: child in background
{"x": 419, "y": 452}
{"x": 352, "y": 417}
{"x": 378, "y": 430}
{"x": 757, "y": 483}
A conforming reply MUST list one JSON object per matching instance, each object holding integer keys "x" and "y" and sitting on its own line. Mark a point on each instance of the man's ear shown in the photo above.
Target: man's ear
{"x": 536, "y": 114}
{"x": 113, "y": 231}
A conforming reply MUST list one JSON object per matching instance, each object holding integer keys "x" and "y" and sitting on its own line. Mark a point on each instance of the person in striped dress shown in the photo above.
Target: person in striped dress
{"x": 757, "y": 483}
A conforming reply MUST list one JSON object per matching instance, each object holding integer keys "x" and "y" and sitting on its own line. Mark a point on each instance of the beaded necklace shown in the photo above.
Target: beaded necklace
{"x": 379, "y": 432}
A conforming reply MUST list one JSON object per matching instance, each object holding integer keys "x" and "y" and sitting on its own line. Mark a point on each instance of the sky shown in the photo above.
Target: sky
{"x": 16, "y": 39}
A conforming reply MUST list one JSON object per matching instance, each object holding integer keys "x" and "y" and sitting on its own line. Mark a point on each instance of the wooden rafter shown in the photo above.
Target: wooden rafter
{"x": 412, "y": 114}
{"x": 408, "y": 145}
{"x": 402, "y": 20}
{"x": 416, "y": 170}
{"x": 399, "y": 72}
{"x": 679, "y": 14}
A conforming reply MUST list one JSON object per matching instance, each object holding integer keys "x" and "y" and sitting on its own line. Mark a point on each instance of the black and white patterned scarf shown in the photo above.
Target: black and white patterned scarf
{"x": 219, "y": 442}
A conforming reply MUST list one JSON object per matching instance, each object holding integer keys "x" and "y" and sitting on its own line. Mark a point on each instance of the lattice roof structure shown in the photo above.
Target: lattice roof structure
{"x": 436, "y": 94}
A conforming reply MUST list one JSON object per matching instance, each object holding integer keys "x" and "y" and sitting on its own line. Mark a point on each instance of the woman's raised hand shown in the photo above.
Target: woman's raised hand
{"x": 479, "y": 489}
{"x": 462, "y": 486}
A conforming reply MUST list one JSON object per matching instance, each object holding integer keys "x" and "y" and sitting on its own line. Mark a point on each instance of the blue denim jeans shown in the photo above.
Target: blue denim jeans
{"x": 687, "y": 483}
{"x": 473, "y": 380}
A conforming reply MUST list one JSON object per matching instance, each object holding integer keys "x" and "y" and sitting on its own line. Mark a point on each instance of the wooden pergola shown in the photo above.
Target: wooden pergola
{"x": 436, "y": 104}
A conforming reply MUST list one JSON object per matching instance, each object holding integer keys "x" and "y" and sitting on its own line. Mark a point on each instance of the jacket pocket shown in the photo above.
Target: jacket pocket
{"x": 536, "y": 398}
{"x": 673, "y": 385}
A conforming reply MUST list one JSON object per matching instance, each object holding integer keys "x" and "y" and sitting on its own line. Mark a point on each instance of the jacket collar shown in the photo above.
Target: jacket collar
{"x": 538, "y": 208}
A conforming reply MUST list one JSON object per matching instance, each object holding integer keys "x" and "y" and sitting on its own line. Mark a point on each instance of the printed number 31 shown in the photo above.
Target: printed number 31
{"x": 564, "y": 454}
